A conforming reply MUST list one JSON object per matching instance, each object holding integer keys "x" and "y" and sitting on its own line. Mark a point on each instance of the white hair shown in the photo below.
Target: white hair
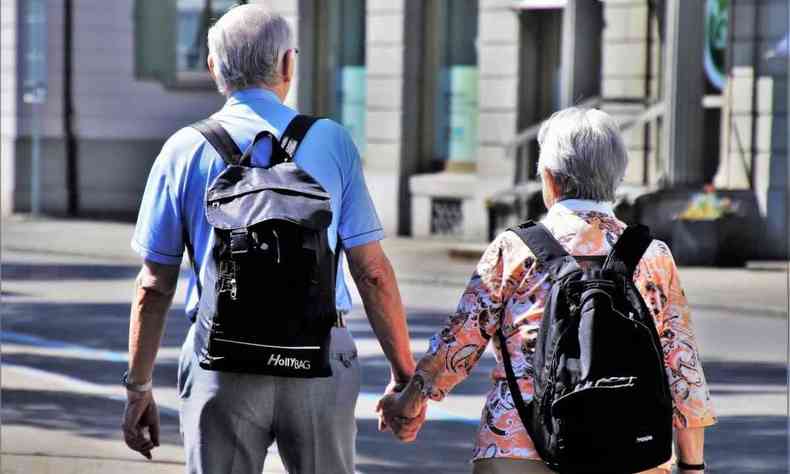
{"x": 584, "y": 151}
{"x": 246, "y": 45}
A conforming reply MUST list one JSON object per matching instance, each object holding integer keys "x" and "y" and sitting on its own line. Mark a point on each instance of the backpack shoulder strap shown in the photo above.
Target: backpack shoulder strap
{"x": 628, "y": 249}
{"x": 546, "y": 248}
{"x": 523, "y": 409}
{"x": 295, "y": 133}
{"x": 540, "y": 241}
{"x": 220, "y": 139}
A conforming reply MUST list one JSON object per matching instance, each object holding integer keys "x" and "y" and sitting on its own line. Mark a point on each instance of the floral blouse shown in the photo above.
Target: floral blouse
{"x": 509, "y": 289}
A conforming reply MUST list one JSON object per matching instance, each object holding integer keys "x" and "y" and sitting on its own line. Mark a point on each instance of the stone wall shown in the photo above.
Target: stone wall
{"x": 384, "y": 59}
{"x": 754, "y": 141}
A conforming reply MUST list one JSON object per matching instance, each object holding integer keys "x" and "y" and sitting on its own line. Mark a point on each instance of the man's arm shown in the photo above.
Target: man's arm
{"x": 154, "y": 289}
{"x": 378, "y": 288}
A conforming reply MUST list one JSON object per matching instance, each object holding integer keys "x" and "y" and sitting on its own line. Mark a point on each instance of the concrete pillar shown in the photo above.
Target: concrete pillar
{"x": 754, "y": 151}
{"x": 499, "y": 34}
{"x": 384, "y": 46}
{"x": 8, "y": 105}
{"x": 498, "y": 100}
{"x": 581, "y": 51}
{"x": 289, "y": 9}
{"x": 683, "y": 92}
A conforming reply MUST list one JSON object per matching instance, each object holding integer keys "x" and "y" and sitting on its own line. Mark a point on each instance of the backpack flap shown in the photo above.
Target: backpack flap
{"x": 243, "y": 196}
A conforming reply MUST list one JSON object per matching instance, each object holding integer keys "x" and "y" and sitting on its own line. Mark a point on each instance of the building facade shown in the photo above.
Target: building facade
{"x": 443, "y": 97}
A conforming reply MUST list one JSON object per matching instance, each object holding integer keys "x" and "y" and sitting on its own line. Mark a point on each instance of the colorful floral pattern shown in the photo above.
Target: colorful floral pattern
{"x": 509, "y": 287}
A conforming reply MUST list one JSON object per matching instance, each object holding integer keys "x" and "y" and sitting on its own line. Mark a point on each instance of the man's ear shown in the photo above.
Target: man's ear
{"x": 288, "y": 66}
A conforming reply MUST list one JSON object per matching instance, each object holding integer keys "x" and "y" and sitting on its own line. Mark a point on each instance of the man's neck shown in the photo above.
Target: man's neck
{"x": 278, "y": 91}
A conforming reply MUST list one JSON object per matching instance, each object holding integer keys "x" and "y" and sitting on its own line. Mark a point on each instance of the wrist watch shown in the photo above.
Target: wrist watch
{"x": 135, "y": 387}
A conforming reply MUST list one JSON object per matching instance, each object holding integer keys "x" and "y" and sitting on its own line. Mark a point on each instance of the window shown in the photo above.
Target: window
{"x": 332, "y": 73}
{"x": 450, "y": 103}
{"x": 170, "y": 40}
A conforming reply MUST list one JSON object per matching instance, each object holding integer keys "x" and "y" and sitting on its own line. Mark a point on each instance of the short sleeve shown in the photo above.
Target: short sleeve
{"x": 158, "y": 235}
{"x": 358, "y": 224}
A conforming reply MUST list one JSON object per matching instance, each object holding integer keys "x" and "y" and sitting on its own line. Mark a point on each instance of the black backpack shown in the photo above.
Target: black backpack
{"x": 602, "y": 402}
{"x": 268, "y": 301}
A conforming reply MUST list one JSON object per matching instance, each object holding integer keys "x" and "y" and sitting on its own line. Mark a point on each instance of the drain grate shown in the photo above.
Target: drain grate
{"x": 446, "y": 217}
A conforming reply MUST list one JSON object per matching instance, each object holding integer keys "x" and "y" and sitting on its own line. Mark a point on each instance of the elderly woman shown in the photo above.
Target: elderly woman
{"x": 582, "y": 161}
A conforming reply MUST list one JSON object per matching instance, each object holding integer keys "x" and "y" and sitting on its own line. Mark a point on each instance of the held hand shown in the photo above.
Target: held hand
{"x": 403, "y": 413}
{"x": 140, "y": 414}
{"x": 393, "y": 387}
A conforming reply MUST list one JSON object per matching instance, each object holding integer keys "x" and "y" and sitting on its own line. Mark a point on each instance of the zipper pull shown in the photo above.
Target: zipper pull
{"x": 234, "y": 289}
{"x": 277, "y": 245}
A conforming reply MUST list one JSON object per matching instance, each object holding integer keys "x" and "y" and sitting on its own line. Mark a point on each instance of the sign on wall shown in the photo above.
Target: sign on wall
{"x": 353, "y": 88}
{"x": 716, "y": 22}
{"x": 463, "y": 114}
{"x": 34, "y": 83}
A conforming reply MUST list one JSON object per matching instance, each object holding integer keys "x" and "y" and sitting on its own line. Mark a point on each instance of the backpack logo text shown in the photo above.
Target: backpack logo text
{"x": 288, "y": 362}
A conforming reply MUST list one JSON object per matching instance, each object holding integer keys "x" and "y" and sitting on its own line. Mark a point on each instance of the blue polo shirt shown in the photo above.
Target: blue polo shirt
{"x": 175, "y": 193}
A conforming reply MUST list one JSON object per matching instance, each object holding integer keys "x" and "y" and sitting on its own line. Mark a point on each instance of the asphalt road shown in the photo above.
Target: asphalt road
{"x": 64, "y": 336}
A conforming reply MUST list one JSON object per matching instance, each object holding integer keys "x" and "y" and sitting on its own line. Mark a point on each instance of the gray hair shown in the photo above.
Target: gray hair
{"x": 584, "y": 151}
{"x": 247, "y": 45}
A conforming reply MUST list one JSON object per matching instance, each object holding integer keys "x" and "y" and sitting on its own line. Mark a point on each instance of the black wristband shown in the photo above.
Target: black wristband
{"x": 691, "y": 467}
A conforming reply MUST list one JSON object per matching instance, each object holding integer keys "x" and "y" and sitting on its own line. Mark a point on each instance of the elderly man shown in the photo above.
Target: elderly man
{"x": 228, "y": 420}
{"x": 582, "y": 161}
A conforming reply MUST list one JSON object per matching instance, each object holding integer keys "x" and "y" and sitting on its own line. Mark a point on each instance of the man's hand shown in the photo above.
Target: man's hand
{"x": 394, "y": 387}
{"x": 141, "y": 415}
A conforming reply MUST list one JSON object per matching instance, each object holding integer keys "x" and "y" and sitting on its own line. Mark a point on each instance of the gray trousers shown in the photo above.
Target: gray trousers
{"x": 229, "y": 420}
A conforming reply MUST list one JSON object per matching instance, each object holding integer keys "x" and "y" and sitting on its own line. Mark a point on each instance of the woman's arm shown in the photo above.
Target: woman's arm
{"x": 690, "y": 444}
{"x": 455, "y": 350}
{"x": 659, "y": 283}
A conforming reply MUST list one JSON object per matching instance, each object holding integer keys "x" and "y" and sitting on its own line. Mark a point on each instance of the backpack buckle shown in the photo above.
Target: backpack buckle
{"x": 239, "y": 242}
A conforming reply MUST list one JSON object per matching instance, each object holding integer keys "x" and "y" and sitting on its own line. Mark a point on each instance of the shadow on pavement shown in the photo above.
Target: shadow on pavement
{"x": 745, "y": 373}
{"x": 748, "y": 445}
{"x": 39, "y": 271}
{"x": 84, "y": 415}
{"x": 744, "y": 444}
{"x": 100, "y": 326}
{"x": 441, "y": 447}
{"x": 102, "y": 372}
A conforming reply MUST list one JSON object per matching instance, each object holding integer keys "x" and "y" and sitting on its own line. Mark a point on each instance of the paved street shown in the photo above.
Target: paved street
{"x": 66, "y": 290}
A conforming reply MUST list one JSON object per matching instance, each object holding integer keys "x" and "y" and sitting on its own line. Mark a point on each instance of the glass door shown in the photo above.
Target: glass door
{"x": 450, "y": 105}
{"x": 333, "y": 37}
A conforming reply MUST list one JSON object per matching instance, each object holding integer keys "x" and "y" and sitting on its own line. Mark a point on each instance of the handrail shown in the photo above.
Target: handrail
{"x": 651, "y": 113}
{"x": 531, "y": 133}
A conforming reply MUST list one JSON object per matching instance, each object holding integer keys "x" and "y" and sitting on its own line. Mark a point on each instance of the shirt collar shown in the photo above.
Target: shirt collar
{"x": 576, "y": 206}
{"x": 252, "y": 94}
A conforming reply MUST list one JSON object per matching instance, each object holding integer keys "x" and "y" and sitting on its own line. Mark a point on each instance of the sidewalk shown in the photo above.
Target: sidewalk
{"x": 741, "y": 320}
{"x": 759, "y": 290}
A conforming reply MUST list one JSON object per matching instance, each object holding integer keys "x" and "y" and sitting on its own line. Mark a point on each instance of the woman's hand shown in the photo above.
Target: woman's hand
{"x": 403, "y": 412}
